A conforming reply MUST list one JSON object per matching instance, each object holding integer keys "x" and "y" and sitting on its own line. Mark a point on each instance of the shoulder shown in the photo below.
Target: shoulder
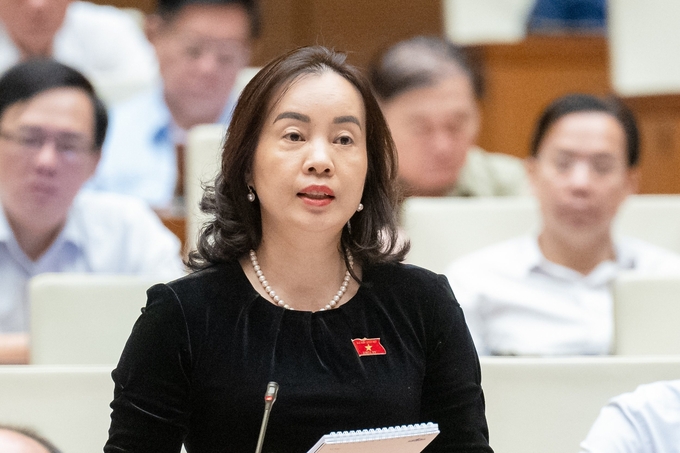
{"x": 139, "y": 105}
{"x": 120, "y": 220}
{"x": 221, "y": 286}
{"x": 113, "y": 209}
{"x": 92, "y": 16}
{"x": 502, "y": 174}
{"x": 135, "y": 122}
{"x": 651, "y": 397}
{"x": 410, "y": 287}
{"x": 499, "y": 258}
{"x": 646, "y": 257}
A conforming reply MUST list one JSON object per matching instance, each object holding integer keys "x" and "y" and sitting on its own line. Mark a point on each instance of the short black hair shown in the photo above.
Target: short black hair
{"x": 32, "y": 435}
{"x": 168, "y": 9}
{"x": 32, "y": 77}
{"x": 419, "y": 62}
{"x": 578, "y": 102}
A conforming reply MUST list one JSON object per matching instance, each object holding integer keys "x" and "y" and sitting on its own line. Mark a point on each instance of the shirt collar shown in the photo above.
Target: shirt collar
{"x": 72, "y": 233}
{"x": 604, "y": 272}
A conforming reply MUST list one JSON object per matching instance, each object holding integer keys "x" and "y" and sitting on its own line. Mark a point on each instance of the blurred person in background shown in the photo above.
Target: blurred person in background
{"x": 201, "y": 47}
{"x": 646, "y": 420}
{"x": 429, "y": 94}
{"x": 20, "y": 440}
{"x": 102, "y": 42}
{"x": 52, "y": 126}
{"x": 553, "y": 17}
{"x": 549, "y": 294}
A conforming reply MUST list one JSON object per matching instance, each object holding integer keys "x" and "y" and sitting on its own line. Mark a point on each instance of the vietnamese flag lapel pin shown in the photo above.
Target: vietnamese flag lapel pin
{"x": 368, "y": 346}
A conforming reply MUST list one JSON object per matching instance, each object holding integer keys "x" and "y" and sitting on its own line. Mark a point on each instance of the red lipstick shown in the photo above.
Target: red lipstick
{"x": 316, "y": 195}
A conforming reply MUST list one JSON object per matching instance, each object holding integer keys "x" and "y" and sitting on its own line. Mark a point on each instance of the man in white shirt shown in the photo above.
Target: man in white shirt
{"x": 550, "y": 294}
{"x": 102, "y": 42}
{"x": 644, "y": 421}
{"x": 52, "y": 127}
{"x": 201, "y": 46}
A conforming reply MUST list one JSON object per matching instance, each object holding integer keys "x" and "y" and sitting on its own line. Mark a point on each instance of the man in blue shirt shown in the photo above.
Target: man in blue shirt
{"x": 201, "y": 47}
{"x": 52, "y": 127}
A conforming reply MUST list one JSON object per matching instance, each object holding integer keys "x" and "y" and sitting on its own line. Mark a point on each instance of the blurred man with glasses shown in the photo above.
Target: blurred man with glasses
{"x": 52, "y": 127}
{"x": 201, "y": 46}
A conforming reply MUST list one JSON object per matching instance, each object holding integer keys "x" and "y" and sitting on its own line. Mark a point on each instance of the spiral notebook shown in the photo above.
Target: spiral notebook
{"x": 395, "y": 439}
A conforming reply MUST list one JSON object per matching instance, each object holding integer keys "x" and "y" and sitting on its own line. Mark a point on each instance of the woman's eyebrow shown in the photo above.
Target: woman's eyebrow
{"x": 347, "y": 119}
{"x": 293, "y": 116}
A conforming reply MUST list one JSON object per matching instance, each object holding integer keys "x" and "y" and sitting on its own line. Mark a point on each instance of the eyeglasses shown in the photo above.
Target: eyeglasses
{"x": 601, "y": 165}
{"x": 228, "y": 53}
{"x": 68, "y": 145}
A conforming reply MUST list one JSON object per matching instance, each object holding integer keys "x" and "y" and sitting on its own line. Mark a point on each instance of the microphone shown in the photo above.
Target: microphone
{"x": 269, "y": 398}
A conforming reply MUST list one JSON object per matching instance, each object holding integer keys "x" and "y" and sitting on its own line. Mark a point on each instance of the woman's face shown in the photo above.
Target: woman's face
{"x": 311, "y": 161}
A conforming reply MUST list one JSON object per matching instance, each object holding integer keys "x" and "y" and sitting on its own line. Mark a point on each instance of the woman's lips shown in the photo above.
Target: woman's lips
{"x": 316, "y": 195}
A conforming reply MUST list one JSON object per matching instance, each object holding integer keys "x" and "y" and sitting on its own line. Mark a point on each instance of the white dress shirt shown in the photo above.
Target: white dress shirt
{"x": 102, "y": 42}
{"x": 644, "y": 421}
{"x": 104, "y": 233}
{"x": 516, "y": 302}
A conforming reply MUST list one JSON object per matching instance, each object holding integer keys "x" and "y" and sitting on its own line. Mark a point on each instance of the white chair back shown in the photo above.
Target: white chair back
{"x": 539, "y": 405}
{"x": 67, "y": 405}
{"x": 443, "y": 229}
{"x": 202, "y": 163}
{"x": 647, "y": 315}
{"x": 203, "y": 160}
{"x": 83, "y": 318}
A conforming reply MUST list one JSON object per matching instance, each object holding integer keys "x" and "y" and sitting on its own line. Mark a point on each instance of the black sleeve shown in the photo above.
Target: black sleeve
{"x": 452, "y": 393}
{"x": 152, "y": 380}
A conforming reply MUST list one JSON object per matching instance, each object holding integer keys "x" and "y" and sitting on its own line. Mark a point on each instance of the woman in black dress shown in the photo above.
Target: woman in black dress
{"x": 298, "y": 280}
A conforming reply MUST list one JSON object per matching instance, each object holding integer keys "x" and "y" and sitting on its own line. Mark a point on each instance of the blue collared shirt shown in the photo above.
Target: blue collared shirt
{"x": 139, "y": 157}
{"x": 103, "y": 233}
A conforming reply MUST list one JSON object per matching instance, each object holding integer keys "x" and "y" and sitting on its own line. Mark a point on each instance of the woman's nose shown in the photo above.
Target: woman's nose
{"x": 319, "y": 158}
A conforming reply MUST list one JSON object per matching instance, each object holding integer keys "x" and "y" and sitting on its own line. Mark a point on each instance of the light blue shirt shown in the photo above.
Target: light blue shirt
{"x": 139, "y": 157}
{"x": 644, "y": 421}
{"x": 104, "y": 233}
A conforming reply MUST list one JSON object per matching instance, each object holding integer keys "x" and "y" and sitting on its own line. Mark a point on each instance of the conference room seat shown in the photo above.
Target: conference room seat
{"x": 443, "y": 229}
{"x": 202, "y": 163}
{"x": 83, "y": 318}
{"x": 646, "y": 314}
{"x": 541, "y": 405}
{"x": 69, "y": 405}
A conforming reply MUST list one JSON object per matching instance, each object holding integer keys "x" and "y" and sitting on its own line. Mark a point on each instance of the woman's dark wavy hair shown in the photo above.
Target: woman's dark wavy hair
{"x": 370, "y": 236}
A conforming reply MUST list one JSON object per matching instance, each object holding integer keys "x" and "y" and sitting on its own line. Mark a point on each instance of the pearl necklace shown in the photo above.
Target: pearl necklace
{"x": 280, "y": 302}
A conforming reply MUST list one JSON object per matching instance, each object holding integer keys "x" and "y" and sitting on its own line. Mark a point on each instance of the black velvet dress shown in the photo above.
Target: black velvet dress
{"x": 197, "y": 363}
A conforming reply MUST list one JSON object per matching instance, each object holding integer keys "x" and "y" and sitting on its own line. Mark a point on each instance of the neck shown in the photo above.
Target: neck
{"x": 306, "y": 274}
{"x": 186, "y": 118}
{"x": 34, "y": 241}
{"x": 34, "y": 52}
{"x": 581, "y": 255}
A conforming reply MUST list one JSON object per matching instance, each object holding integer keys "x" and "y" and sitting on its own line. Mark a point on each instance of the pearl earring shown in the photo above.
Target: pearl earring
{"x": 251, "y": 194}
{"x": 360, "y": 207}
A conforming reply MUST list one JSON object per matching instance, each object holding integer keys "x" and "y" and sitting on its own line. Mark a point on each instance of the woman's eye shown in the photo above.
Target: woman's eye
{"x": 345, "y": 140}
{"x": 293, "y": 137}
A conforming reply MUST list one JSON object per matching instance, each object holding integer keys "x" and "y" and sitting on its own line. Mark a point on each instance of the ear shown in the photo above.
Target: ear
{"x": 530, "y": 166}
{"x": 152, "y": 27}
{"x": 633, "y": 180}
